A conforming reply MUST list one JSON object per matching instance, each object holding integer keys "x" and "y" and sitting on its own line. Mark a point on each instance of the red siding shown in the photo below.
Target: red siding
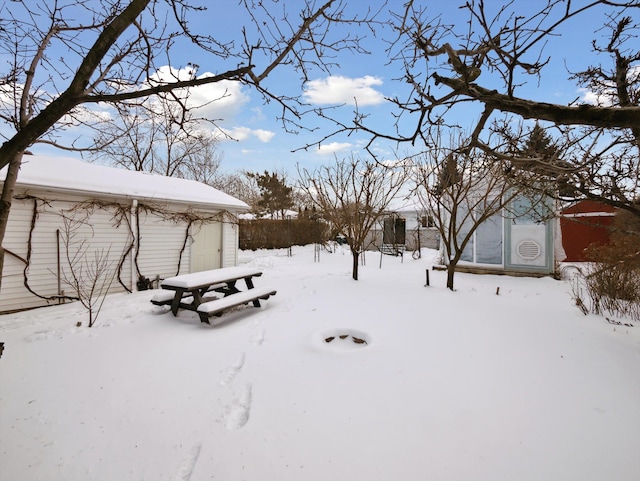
{"x": 583, "y": 224}
{"x": 589, "y": 206}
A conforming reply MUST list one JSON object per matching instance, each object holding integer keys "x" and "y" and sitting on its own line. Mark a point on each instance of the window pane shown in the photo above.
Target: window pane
{"x": 463, "y": 230}
{"x": 526, "y": 211}
{"x": 467, "y": 252}
{"x": 489, "y": 241}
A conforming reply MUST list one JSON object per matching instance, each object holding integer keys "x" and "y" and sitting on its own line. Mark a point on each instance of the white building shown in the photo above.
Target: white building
{"x": 149, "y": 226}
{"x": 411, "y": 224}
{"x": 523, "y": 238}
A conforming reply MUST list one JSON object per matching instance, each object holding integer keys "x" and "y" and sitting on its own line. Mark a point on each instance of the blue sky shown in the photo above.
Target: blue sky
{"x": 261, "y": 142}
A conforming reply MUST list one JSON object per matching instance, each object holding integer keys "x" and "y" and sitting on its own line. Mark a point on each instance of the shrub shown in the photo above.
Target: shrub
{"x": 612, "y": 279}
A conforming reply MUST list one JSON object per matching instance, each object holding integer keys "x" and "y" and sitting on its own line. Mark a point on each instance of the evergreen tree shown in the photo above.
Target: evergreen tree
{"x": 275, "y": 195}
{"x": 539, "y": 145}
{"x": 545, "y": 159}
{"x": 448, "y": 175}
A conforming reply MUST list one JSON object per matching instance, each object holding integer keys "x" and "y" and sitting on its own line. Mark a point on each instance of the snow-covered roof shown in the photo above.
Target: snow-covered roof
{"x": 410, "y": 205}
{"x": 74, "y": 175}
{"x": 288, "y": 214}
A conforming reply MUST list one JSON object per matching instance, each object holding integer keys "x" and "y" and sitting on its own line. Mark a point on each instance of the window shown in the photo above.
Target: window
{"x": 485, "y": 245}
{"x": 427, "y": 221}
{"x": 488, "y": 238}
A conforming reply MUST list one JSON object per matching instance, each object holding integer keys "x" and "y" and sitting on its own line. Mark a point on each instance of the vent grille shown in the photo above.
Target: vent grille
{"x": 529, "y": 250}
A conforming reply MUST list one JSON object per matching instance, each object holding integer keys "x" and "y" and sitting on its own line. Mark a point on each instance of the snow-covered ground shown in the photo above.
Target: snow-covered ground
{"x": 464, "y": 385}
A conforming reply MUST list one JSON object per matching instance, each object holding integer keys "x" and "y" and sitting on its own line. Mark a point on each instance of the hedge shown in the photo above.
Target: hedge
{"x": 275, "y": 234}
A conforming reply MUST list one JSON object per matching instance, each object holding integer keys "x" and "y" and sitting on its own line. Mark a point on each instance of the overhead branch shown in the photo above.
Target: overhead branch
{"x": 306, "y": 24}
{"x": 594, "y": 116}
{"x": 236, "y": 74}
{"x": 75, "y": 93}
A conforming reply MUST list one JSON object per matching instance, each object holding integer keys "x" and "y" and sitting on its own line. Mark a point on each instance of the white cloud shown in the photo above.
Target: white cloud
{"x": 344, "y": 90}
{"x": 238, "y": 133}
{"x": 171, "y": 74}
{"x": 244, "y": 133}
{"x": 221, "y": 100}
{"x": 218, "y": 100}
{"x": 264, "y": 135}
{"x": 592, "y": 98}
{"x": 333, "y": 147}
{"x": 609, "y": 95}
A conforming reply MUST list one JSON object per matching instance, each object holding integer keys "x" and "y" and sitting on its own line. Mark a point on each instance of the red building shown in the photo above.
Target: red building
{"x": 584, "y": 223}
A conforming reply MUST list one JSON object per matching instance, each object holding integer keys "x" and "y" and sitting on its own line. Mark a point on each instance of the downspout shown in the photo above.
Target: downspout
{"x": 134, "y": 233}
{"x": 59, "y": 270}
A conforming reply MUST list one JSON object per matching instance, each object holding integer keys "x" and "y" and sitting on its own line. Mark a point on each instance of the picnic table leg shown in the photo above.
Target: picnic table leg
{"x": 197, "y": 298}
{"x": 231, "y": 288}
{"x": 175, "y": 304}
{"x": 249, "y": 282}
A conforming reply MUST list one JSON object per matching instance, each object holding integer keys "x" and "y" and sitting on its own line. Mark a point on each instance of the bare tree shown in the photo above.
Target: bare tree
{"x": 461, "y": 189}
{"x": 476, "y": 69}
{"x": 353, "y": 196}
{"x": 238, "y": 184}
{"x": 89, "y": 273}
{"x": 201, "y": 159}
{"x": 111, "y": 52}
{"x": 162, "y": 136}
{"x": 130, "y": 140}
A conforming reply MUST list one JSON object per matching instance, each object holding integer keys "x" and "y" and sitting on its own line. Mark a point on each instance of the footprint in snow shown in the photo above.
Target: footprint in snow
{"x": 232, "y": 371}
{"x": 238, "y": 414}
{"x": 258, "y": 338}
{"x": 186, "y": 467}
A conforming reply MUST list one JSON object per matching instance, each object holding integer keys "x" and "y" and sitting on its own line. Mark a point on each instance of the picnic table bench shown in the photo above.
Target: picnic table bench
{"x": 192, "y": 291}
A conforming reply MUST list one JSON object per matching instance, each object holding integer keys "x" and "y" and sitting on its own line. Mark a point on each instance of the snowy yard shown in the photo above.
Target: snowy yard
{"x": 465, "y": 385}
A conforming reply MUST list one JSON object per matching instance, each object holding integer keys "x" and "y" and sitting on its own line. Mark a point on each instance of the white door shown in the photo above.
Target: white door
{"x": 206, "y": 249}
{"x": 529, "y": 235}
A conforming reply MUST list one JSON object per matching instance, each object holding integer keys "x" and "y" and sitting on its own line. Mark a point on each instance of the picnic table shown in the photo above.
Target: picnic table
{"x": 194, "y": 291}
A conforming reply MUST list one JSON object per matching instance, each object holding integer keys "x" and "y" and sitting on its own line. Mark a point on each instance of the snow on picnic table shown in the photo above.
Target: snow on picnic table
{"x": 208, "y": 278}
{"x": 464, "y": 385}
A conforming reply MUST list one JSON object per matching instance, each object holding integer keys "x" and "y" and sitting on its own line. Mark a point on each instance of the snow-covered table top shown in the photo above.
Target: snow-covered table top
{"x": 198, "y": 280}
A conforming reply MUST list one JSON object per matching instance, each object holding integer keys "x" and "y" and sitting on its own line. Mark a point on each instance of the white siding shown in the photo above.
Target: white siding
{"x": 160, "y": 243}
{"x": 95, "y": 231}
{"x": 230, "y": 242}
{"x": 13, "y": 291}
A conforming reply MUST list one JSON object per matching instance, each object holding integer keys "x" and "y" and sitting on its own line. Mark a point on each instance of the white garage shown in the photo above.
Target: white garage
{"x": 66, "y": 212}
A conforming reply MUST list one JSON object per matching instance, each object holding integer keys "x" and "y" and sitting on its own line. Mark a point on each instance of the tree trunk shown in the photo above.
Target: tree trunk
{"x": 5, "y": 203}
{"x": 356, "y": 255}
{"x": 451, "y": 270}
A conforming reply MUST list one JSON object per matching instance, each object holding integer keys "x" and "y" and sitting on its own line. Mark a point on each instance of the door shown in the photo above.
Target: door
{"x": 206, "y": 249}
{"x": 528, "y": 245}
{"x": 529, "y": 236}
